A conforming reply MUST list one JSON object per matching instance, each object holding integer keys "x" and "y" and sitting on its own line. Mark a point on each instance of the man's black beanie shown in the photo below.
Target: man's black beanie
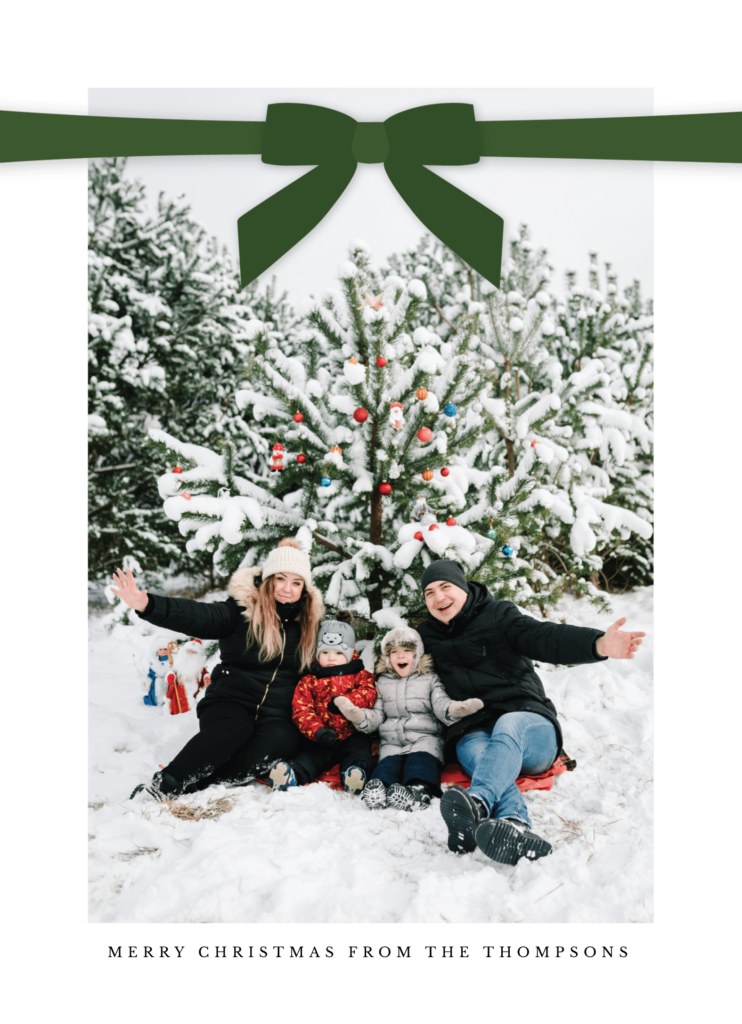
{"x": 445, "y": 569}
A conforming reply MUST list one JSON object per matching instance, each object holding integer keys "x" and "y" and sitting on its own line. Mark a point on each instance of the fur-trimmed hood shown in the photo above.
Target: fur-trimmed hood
{"x": 243, "y": 587}
{"x": 424, "y": 665}
{"x": 410, "y": 639}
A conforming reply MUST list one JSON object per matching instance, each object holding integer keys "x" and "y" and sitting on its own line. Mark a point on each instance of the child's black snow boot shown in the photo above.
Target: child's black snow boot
{"x": 420, "y": 797}
{"x": 374, "y": 795}
{"x": 462, "y": 812}
{"x": 506, "y": 840}
{"x": 161, "y": 788}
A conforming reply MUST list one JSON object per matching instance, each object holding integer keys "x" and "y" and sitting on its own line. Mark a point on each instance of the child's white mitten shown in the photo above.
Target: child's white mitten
{"x": 349, "y": 710}
{"x": 462, "y": 708}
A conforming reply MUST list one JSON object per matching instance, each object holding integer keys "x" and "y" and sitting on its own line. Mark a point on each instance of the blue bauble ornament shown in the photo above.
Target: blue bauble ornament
{"x": 325, "y": 481}
{"x": 450, "y": 409}
{"x": 507, "y": 551}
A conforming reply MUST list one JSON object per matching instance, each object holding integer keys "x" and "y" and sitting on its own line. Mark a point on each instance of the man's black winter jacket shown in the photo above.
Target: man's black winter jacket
{"x": 264, "y": 687}
{"x": 486, "y": 651}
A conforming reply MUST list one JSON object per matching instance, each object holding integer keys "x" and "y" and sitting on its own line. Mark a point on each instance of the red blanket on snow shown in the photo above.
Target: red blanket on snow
{"x": 454, "y": 775}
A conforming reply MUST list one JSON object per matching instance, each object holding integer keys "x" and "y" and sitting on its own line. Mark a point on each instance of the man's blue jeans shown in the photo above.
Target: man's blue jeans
{"x": 519, "y": 743}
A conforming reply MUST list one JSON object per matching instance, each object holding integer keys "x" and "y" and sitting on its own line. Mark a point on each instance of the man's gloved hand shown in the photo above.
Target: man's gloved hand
{"x": 326, "y": 737}
{"x": 462, "y": 708}
{"x": 349, "y": 710}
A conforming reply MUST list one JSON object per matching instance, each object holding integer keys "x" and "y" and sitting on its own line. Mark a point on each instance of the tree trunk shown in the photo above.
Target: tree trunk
{"x": 376, "y": 537}
{"x": 508, "y": 441}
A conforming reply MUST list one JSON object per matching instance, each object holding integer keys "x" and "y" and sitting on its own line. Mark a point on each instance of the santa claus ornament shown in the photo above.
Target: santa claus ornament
{"x": 188, "y": 668}
{"x": 396, "y": 415}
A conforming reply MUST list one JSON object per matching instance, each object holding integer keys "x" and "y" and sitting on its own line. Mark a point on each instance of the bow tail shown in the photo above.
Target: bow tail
{"x": 470, "y": 229}
{"x": 273, "y": 227}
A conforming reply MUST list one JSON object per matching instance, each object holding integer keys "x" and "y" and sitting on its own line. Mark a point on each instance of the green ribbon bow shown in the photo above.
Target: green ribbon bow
{"x": 438, "y": 134}
{"x": 442, "y": 133}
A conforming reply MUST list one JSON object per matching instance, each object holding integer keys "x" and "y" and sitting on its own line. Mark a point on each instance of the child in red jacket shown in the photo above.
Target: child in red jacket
{"x": 328, "y": 737}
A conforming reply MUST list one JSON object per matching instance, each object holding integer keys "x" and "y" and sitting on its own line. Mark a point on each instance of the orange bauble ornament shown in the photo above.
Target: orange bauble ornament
{"x": 428, "y": 474}
{"x": 422, "y": 394}
{"x": 336, "y": 449}
{"x": 353, "y": 360}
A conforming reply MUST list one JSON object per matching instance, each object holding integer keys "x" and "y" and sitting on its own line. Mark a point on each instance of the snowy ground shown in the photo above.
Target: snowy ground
{"x": 315, "y": 855}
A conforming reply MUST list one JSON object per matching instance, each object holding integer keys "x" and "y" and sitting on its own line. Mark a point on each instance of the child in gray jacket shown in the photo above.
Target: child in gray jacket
{"x": 408, "y": 713}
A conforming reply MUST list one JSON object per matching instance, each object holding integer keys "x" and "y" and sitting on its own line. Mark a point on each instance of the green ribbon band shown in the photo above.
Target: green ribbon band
{"x": 441, "y": 134}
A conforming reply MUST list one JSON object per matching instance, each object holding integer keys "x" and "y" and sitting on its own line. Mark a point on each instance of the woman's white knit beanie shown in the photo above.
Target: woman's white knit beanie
{"x": 288, "y": 557}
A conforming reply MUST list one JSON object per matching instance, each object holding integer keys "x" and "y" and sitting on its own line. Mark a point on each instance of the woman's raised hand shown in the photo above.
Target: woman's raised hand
{"x": 127, "y": 591}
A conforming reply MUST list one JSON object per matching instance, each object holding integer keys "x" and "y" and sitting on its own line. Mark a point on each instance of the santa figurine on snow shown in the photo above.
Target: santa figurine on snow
{"x": 189, "y": 666}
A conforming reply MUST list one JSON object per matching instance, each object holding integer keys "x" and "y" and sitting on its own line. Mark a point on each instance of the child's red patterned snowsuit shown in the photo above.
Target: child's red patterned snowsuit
{"x": 314, "y": 692}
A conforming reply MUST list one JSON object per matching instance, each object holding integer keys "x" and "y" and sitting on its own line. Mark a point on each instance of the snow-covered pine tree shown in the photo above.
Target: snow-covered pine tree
{"x": 167, "y": 345}
{"x": 379, "y": 464}
{"x": 601, "y": 331}
{"x": 562, "y": 384}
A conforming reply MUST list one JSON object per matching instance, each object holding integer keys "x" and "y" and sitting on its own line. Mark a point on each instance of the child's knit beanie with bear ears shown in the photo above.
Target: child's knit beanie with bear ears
{"x": 337, "y": 635}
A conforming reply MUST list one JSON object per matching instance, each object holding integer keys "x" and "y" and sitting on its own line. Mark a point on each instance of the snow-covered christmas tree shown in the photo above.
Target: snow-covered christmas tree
{"x": 381, "y": 430}
{"x": 574, "y": 376}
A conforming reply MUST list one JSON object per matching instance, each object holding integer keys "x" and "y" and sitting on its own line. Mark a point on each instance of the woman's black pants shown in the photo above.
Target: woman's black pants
{"x": 231, "y": 747}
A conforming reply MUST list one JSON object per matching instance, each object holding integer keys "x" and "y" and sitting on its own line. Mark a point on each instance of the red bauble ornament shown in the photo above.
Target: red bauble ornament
{"x": 385, "y": 488}
{"x": 428, "y": 474}
{"x": 422, "y": 394}
{"x": 381, "y": 362}
{"x": 298, "y": 417}
{"x": 360, "y": 415}
{"x": 434, "y": 526}
{"x": 186, "y": 495}
{"x": 424, "y": 434}
{"x": 533, "y": 443}
{"x": 418, "y": 536}
{"x": 301, "y": 458}
{"x": 445, "y": 471}
{"x": 450, "y": 521}
{"x": 177, "y": 469}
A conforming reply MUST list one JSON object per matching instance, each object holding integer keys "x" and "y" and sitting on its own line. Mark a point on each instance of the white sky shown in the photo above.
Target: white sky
{"x": 572, "y": 206}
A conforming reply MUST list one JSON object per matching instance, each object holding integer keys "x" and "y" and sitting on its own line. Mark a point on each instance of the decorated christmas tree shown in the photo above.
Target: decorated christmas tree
{"x": 574, "y": 376}
{"x": 379, "y": 460}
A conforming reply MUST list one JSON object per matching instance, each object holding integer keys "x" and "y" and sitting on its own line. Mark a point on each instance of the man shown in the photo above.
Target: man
{"x": 483, "y": 648}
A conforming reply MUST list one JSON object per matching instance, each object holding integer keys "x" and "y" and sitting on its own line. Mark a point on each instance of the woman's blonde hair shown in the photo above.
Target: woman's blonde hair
{"x": 265, "y": 625}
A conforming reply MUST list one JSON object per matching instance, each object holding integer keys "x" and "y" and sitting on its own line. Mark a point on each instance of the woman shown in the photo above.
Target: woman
{"x": 267, "y": 630}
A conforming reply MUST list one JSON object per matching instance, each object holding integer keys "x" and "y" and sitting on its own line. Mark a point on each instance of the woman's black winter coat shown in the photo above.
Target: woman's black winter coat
{"x": 265, "y": 687}
{"x": 486, "y": 651}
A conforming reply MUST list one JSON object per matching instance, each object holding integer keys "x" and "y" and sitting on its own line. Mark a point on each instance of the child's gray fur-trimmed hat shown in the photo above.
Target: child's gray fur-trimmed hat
{"x": 335, "y": 635}
{"x": 409, "y": 639}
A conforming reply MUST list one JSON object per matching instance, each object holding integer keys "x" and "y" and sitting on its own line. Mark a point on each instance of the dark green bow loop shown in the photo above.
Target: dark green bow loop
{"x": 444, "y": 134}
{"x": 301, "y": 133}
{"x": 296, "y": 134}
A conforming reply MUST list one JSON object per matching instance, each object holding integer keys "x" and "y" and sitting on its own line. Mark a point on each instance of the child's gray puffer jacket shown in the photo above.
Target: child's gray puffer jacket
{"x": 408, "y": 711}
